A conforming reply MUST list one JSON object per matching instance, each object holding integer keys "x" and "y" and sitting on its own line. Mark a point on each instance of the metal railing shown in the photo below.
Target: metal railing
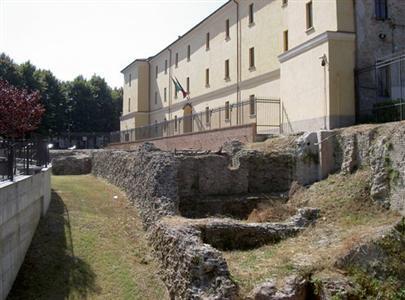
{"x": 23, "y": 157}
{"x": 381, "y": 90}
{"x": 265, "y": 113}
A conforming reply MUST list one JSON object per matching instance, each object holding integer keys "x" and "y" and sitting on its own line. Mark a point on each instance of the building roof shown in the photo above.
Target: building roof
{"x": 135, "y": 61}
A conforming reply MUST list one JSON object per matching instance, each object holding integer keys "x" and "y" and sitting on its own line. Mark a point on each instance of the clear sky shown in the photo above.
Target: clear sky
{"x": 72, "y": 37}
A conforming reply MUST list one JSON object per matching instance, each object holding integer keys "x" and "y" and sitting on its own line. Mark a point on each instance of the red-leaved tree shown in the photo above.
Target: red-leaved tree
{"x": 20, "y": 111}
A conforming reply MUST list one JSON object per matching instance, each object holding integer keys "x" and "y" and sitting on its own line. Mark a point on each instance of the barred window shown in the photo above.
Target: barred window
{"x": 252, "y": 105}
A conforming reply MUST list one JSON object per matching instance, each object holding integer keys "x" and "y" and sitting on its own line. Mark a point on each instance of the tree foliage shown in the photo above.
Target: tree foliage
{"x": 20, "y": 111}
{"x": 80, "y": 105}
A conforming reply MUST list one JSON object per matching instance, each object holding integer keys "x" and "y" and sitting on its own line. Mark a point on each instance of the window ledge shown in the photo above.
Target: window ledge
{"x": 310, "y": 30}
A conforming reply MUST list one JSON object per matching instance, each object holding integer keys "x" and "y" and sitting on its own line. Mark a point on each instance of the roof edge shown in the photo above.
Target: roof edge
{"x": 135, "y": 61}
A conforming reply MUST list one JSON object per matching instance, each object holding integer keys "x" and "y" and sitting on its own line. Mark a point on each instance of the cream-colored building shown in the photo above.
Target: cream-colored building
{"x": 297, "y": 57}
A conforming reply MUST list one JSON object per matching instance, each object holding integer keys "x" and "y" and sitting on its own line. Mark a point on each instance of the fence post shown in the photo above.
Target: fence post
{"x": 27, "y": 157}
{"x": 10, "y": 163}
{"x": 400, "y": 86}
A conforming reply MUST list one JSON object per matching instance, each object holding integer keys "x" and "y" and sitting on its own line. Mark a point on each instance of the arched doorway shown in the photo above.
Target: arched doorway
{"x": 187, "y": 118}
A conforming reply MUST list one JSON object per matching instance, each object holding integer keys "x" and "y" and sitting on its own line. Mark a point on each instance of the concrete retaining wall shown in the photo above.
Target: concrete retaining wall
{"x": 207, "y": 140}
{"x": 22, "y": 203}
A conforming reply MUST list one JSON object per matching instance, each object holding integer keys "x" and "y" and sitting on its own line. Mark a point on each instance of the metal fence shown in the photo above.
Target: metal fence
{"x": 23, "y": 157}
{"x": 381, "y": 90}
{"x": 265, "y": 113}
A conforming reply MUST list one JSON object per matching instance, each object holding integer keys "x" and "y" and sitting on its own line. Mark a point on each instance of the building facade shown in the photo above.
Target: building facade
{"x": 299, "y": 54}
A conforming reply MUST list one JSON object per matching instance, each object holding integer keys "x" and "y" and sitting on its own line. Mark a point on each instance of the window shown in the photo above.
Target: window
{"x": 384, "y": 81}
{"x": 175, "y": 123}
{"x": 207, "y": 77}
{"x": 188, "y": 84}
{"x": 156, "y": 97}
{"x": 166, "y": 66}
{"x": 310, "y": 23}
{"x": 252, "y": 58}
{"x": 381, "y": 10}
{"x": 164, "y": 124}
{"x": 130, "y": 79}
{"x": 285, "y": 39}
{"x": 188, "y": 53}
{"x": 156, "y": 71}
{"x": 207, "y": 115}
{"x": 227, "y": 29}
{"x": 207, "y": 41}
{"x": 251, "y": 14}
{"x": 177, "y": 60}
{"x": 175, "y": 92}
{"x": 252, "y": 105}
{"x": 227, "y": 110}
{"x": 165, "y": 94}
{"x": 129, "y": 104}
{"x": 227, "y": 69}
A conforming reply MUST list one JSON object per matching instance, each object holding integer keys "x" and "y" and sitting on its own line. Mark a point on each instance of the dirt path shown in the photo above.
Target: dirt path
{"x": 90, "y": 245}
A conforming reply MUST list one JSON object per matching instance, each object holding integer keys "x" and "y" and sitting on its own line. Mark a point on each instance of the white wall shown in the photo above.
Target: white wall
{"x": 22, "y": 203}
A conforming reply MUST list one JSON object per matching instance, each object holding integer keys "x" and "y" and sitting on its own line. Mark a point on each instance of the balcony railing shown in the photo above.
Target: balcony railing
{"x": 265, "y": 113}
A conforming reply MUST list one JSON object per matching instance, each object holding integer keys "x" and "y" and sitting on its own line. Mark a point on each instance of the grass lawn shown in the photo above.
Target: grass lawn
{"x": 90, "y": 245}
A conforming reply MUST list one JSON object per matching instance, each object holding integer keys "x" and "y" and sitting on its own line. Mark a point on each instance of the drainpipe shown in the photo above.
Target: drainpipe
{"x": 170, "y": 83}
{"x": 238, "y": 62}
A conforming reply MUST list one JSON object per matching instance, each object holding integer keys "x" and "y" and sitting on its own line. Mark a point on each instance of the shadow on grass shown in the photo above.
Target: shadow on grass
{"x": 50, "y": 269}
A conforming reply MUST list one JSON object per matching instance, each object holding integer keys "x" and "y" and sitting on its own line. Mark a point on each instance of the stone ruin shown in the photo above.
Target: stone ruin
{"x": 193, "y": 204}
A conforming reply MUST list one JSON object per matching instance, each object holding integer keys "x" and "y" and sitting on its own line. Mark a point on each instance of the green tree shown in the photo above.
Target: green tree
{"x": 9, "y": 71}
{"x": 77, "y": 106}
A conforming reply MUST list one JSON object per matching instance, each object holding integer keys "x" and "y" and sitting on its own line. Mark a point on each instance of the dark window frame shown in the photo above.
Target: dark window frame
{"x": 227, "y": 29}
{"x": 309, "y": 14}
{"x": 227, "y": 70}
{"x": 381, "y": 9}
{"x": 252, "y": 105}
{"x": 252, "y": 59}
{"x": 251, "y": 14}
{"x": 227, "y": 111}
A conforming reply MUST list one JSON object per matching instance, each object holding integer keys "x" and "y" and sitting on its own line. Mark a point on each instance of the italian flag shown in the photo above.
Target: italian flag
{"x": 179, "y": 88}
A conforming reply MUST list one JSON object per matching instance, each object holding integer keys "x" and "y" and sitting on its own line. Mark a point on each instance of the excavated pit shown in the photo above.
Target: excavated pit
{"x": 240, "y": 207}
{"x": 229, "y": 234}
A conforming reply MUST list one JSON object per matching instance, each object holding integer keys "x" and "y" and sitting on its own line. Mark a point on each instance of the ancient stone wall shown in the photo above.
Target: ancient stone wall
{"x": 146, "y": 175}
{"x": 379, "y": 147}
